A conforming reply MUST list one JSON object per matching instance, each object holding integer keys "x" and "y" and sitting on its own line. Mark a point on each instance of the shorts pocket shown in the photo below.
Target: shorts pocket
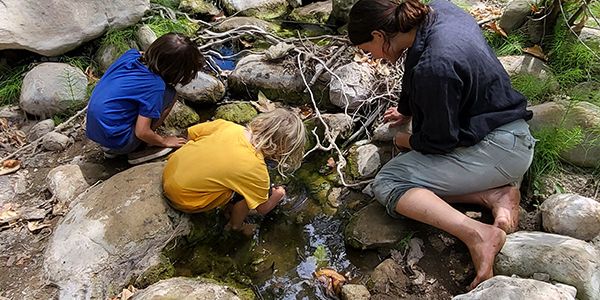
{"x": 514, "y": 165}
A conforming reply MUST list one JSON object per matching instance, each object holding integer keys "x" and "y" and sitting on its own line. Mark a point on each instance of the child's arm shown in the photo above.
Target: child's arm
{"x": 276, "y": 196}
{"x": 144, "y": 132}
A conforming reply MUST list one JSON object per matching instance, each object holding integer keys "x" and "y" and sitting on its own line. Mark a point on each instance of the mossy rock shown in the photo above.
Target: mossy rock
{"x": 202, "y": 7}
{"x": 240, "y": 113}
{"x": 163, "y": 270}
{"x": 316, "y": 12}
{"x": 270, "y": 10}
{"x": 586, "y": 91}
{"x": 181, "y": 116}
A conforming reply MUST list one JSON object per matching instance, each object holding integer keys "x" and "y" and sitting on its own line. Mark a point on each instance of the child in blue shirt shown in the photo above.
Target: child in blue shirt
{"x": 135, "y": 95}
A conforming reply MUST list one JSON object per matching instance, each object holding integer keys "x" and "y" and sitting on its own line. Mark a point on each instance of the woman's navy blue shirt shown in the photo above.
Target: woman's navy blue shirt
{"x": 454, "y": 87}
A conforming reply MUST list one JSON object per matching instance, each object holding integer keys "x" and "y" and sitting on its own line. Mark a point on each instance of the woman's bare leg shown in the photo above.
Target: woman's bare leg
{"x": 503, "y": 201}
{"x": 484, "y": 241}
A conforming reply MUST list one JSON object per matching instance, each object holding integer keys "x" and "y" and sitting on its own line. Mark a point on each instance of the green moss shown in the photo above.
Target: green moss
{"x": 534, "y": 88}
{"x": 11, "y": 80}
{"x": 119, "y": 39}
{"x": 181, "y": 116}
{"x": 161, "y": 26}
{"x": 163, "y": 270}
{"x": 240, "y": 113}
{"x": 512, "y": 45}
{"x": 245, "y": 293}
{"x": 352, "y": 163}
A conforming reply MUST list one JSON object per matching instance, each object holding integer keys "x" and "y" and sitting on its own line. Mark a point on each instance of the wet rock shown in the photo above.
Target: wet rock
{"x": 145, "y": 36}
{"x": 59, "y": 26}
{"x": 356, "y": 87}
{"x": 572, "y": 215}
{"x": 112, "y": 235}
{"x": 565, "y": 259}
{"x": 363, "y": 160}
{"x": 514, "y": 15}
{"x": 355, "y": 292}
{"x": 202, "y": 7}
{"x": 181, "y": 116}
{"x": 235, "y": 22}
{"x": 507, "y": 288}
{"x": 66, "y": 182}
{"x": 40, "y": 129}
{"x": 385, "y": 132}
{"x": 202, "y": 89}
{"x": 340, "y": 10}
{"x": 582, "y": 114}
{"x": 240, "y": 112}
{"x": 389, "y": 279}
{"x": 371, "y": 227}
{"x": 277, "y": 82}
{"x": 339, "y": 124}
{"x": 264, "y": 9}
{"x": 316, "y": 12}
{"x": 52, "y": 88}
{"x": 54, "y": 141}
{"x": 186, "y": 288}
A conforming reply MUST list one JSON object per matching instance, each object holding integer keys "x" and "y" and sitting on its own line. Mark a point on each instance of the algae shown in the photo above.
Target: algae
{"x": 240, "y": 113}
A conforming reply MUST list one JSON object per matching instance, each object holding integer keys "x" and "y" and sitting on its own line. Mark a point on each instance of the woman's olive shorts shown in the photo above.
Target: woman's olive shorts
{"x": 501, "y": 158}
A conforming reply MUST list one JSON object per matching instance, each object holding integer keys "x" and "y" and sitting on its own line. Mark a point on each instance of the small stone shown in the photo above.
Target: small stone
{"x": 572, "y": 215}
{"x": 355, "y": 292}
{"x": 40, "y": 129}
{"x": 54, "y": 141}
{"x": 473, "y": 214}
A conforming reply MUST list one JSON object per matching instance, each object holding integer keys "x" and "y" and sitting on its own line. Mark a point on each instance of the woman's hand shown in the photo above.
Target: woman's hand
{"x": 393, "y": 117}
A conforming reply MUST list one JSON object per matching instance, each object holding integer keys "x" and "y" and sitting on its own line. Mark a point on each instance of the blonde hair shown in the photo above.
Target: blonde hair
{"x": 280, "y": 136}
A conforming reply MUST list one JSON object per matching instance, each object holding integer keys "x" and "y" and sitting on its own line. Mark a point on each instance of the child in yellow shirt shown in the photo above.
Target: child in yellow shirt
{"x": 224, "y": 162}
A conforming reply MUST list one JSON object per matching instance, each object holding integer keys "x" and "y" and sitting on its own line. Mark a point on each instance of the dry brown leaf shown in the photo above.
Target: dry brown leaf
{"x": 8, "y": 213}
{"x": 536, "y": 51}
{"x": 36, "y": 225}
{"x": 263, "y": 104}
{"x": 496, "y": 28}
{"x": 332, "y": 280}
{"x": 9, "y": 166}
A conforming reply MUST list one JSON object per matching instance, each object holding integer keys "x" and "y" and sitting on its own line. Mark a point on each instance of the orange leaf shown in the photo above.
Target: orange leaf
{"x": 536, "y": 51}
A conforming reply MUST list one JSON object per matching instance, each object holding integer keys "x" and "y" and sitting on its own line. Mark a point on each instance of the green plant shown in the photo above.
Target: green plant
{"x": 532, "y": 87}
{"x": 11, "y": 80}
{"x": 174, "y": 4}
{"x": 161, "y": 26}
{"x": 81, "y": 62}
{"x": 404, "y": 242}
{"x": 119, "y": 39}
{"x": 512, "y": 45}
{"x": 321, "y": 255}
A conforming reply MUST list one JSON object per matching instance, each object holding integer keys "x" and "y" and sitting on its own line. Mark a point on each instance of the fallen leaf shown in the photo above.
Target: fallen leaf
{"x": 36, "y": 225}
{"x": 263, "y": 104}
{"x": 496, "y": 28}
{"x": 8, "y": 213}
{"x": 536, "y": 51}
{"x": 9, "y": 166}
{"x": 331, "y": 280}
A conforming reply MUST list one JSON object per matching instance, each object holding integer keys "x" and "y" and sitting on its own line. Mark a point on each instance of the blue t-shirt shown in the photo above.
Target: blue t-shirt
{"x": 126, "y": 90}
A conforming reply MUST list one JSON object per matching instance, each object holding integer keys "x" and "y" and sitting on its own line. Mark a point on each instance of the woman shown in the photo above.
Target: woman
{"x": 470, "y": 140}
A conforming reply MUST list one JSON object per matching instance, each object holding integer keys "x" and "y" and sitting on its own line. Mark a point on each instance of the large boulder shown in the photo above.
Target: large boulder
{"x": 54, "y": 27}
{"x": 52, "y": 88}
{"x": 341, "y": 10}
{"x": 515, "y": 14}
{"x": 582, "y": 114}
{"x": 316, "y": 12}
{"x": 565, "y": 259}
{"x": 113, "y": 235}
{"x": 204, "y": 88}
{"x": 186, "y": 288}
{"x": 509, "y": 288}
{"x": 371, "y": 227}
{"x": 264, "y": 9}
{"x": 572, "y": 215}
{"x": 355, "y": 86}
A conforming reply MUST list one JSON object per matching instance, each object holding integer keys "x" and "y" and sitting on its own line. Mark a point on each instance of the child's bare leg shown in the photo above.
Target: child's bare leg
{"x": 484, "y": 241}
{"x": 503, "y": 201}
{"x": 239, "y": 212}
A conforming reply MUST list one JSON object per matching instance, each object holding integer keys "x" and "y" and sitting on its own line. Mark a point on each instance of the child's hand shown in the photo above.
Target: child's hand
{"x": 174, "y": 142}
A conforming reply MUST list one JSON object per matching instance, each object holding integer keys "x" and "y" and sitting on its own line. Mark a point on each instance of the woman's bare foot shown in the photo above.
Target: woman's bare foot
{"x": 483, "y": 253}
{"x": 504, "y": 203}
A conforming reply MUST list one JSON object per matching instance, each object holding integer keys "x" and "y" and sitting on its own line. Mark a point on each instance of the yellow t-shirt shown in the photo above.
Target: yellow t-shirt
{"x": 217, "y": 160}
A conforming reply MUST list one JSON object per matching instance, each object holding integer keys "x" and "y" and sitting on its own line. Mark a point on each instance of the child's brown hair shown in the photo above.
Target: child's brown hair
{"x": 280, "y": 136}
{"x": 175, "y": 58}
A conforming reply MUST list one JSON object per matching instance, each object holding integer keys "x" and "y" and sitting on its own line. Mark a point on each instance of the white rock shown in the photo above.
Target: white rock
{"x": 54, "y": 27}
{"x": 185, "y": 288}
{"x": 66, "y": 182}
{"x": 54, "y": 141}
{"x": 512, "y": 288}
{"x": 565, "y": 259}
{"x": 145, "y": 37}
{"x": 266, "y": 9}
{"x": 366, "y": 159}
{"x": 572, "y": 215}
{"x": 52, "y": 88}
{"x": 203, "y": 89}
{"x": 525, "y": 64}
{"x": 357, "y": 80}
{"x": 385, "y": 132}
{"x": 40, "y": 129}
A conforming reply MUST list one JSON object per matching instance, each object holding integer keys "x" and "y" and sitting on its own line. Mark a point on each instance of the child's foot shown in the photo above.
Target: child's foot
{"x": 246, "y": 229}
{"x": 147, "y": 154}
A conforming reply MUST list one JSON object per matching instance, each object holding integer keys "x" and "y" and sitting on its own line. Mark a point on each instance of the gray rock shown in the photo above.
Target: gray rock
{"x": 514, "y": 15}
{"x": 264, "y": 9}
{"x": 565, "y": 259}
{"x": 12, "y": 113}
{"x": 525, "y": 64}
{"x": 543, "y": 277}
{"x": 52, "y": 88}
{"x": 385, "y": 132}
{"x": 145, "y": 36}
{"x": 582, "y": 114}
{"x": 316, "y": 12}
{"x": 199, "y": 7}
{"x": 7, "y": 189}
{"x": 363, "y": 160}
{"x": 109, "y": 53}
{"x": 339, "y": 124}
{"x": 357, "y": 80}
{"x": 235, "y": 22}
{"x": 203, "y": 89}
{"x": 371, "y": 227}
{"x": 181, "y": 116}
{"x": 355, "y": 292}
{"x": 590, "y": 35}
{"x": 340, "y": 10}
{"x": 572, "y": 215}
{"x": 112, "y": 235}
{"x": 54, "y": 27}
{"x": 278, "y": 83}
{"x": 185, "y": 288}
{"x": 511, "y": 288}
{"x": 66, "y": 182}
{"x": 54, "y": 141}
{"x": 40, "y": 129}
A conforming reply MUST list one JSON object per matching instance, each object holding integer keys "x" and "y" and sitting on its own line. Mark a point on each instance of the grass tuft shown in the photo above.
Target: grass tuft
{"x": 161, "y": 26}
{"x": 11, "y": 80}
{"x": 535, "y": 89}
{"x": 174, "y": 4}
{"x": 513, "y": 45}
{"x": 119, "y": 39}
